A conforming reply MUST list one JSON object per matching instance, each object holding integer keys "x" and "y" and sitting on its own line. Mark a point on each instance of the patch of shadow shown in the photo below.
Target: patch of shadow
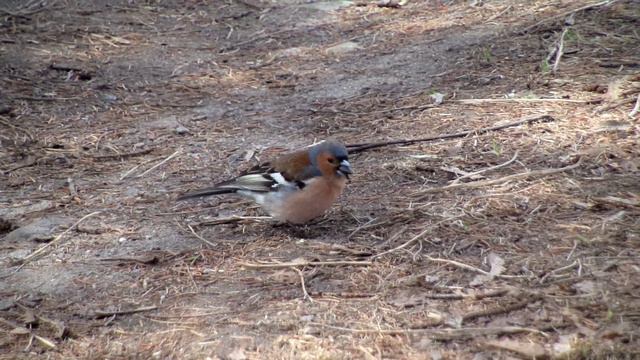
{"x": 40, "y": 230}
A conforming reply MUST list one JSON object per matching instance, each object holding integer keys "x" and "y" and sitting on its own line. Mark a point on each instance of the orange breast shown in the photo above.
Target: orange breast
{"x": 311, "y": 202}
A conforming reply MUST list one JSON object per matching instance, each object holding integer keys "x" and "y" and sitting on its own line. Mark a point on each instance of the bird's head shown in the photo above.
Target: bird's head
{"x": 331, "y": 157}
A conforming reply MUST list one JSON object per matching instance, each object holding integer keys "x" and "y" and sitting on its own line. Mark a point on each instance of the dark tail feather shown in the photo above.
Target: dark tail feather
{"x": 205, "y": 192}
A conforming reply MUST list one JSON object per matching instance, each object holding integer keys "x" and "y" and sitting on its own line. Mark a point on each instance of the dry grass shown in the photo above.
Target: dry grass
{"x": 523, "y": 240}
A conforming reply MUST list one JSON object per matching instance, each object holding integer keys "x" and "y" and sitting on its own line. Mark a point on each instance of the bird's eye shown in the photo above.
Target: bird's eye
{"x": 333, "y": 160}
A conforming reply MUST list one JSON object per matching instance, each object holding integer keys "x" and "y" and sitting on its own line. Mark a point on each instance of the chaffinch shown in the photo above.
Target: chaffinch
{"x": 296, "y": 187}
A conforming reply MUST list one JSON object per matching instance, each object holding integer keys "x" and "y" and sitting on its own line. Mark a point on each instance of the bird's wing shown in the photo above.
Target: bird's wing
{"x": 252, "y": 183}
{"x": 292, "y": 167}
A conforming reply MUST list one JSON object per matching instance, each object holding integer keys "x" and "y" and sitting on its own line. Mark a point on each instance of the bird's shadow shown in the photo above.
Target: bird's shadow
{"x": 306, "y": 231}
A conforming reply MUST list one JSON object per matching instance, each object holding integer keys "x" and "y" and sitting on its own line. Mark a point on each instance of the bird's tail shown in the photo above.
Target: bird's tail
{"x": 206, "y": 192}
{"x": 247, "y": 185}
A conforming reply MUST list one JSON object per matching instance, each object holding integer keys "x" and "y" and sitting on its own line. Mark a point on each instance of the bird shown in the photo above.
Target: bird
{"x": 296, "y": 187}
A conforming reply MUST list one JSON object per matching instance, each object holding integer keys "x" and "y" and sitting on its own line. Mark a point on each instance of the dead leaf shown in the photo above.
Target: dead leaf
{"x": 20, "y": 331}
{"x": 237, "y": 354}
{"x": 29, "y": 318}
{"x": 527, "y": 350}
{"x": 497, "y": 264}
{"x": 497, "y": 267}
{"x": 565, "y": 345}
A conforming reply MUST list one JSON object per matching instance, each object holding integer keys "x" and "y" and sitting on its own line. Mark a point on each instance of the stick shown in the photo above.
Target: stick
{"x": 468, "y": 175}
{"x": 498, "y": 14}
{"x": 102, "y": 314}
{"x": 472, "y": 268}
{"x": 415, "y": 238}
{"x": 566, "y": 13}
{"x": 438, "y": 296}
{"x": 40, "y": 252}
{"x": 23, "y": 14}
{"x": 232, "y": 219}
{"x": 160, "y": 163}
{"x": 636, "y": 108}
{"x": 304, "y": 288}
{"x": 7, "y": 123}
{"x": 525, "y": 100}
{"x": 570, "y": 266}
{"x": 122, "y": 156}
{"x": 441, "y": 334}
{"x": 560, "y": 50}
{"x": 201, "y": 238}
{"x": 29, "y": 163}
{"x": 304, "y": 263}
{"x": 356, "y": 148}
{"x": 501, "y": 310}
{"x": 524, "y": 175}
{"x": 24, "y": 331}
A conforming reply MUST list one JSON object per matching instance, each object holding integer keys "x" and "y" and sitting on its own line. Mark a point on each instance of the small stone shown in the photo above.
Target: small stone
{"x": 437, "y": 98}
{"x": 109, "y": 98}
{"x": 181, "y": 130}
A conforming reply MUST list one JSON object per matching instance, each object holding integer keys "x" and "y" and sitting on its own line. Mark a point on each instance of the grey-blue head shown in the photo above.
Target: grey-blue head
{"x": 331, "y": 155}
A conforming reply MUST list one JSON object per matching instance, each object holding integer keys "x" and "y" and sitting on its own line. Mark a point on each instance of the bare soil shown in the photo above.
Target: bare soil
{"x": 109, "y": 109}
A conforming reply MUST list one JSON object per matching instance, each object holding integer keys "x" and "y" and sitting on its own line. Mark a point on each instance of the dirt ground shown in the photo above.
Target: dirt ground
{"x": 522, "y": 242}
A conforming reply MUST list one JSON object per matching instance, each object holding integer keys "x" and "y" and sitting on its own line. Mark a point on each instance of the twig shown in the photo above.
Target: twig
{"x": 573, "y": 249}
{"x": 524, "y": 175}
{"x": 636, "y": 108}
{"x": 232, "y": 219}
{"x": 7, "y": 123}
{"x": 356, "y": 148}
{"x": 304, "y": 288}
{"x": 17, "y": 329}
{"x": 502, "y": 309}
{"x": 200, "y": 237}
{"x": 40, "y": 252}
{"x": 35, "y": 98}
{"x": 498, "y": 14}
{"x": 25, "y": 14}
{"x": 570, "y": 266}
{"x": 472, "y": 268}
{"x": 525, "y": 100}
{"x": 122, "y": 156}
{"x": 304, "y": 263}
{"x": 147, "y": 260}
{"x": 560, "y": 50}
{"x": 27, "y": 164}
{"x": 613, "y": 105}
{"x": 468, "y": 175}
{"x": 440, "y": 334}
{"x": 415, "y": 238}
{"x": 438, "y": 296}
{"x": 160, "y": 163}
{"x": 566, "y": 13}
{"x": 71, "y": 184}
{"x": 102, "y": 314}
{"x": 60, "y": 329}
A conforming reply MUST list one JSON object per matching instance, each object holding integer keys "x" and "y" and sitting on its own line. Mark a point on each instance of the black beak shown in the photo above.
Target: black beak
{"x": 345, "y": 168}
